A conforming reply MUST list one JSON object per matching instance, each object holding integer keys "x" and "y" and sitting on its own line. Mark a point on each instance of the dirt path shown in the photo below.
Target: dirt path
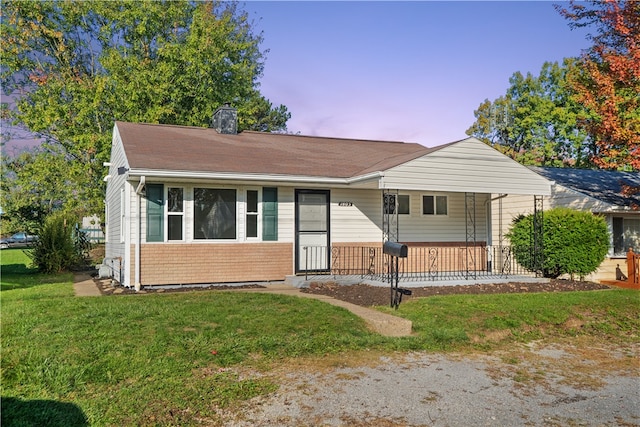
{"x": 531, "y": 385}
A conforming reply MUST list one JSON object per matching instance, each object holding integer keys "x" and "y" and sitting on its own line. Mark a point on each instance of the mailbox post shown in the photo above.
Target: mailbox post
{"x": 395, "y": 250}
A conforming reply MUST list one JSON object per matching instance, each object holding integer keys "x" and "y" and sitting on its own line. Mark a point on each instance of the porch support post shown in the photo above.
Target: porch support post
{"x": 390, "y": 230}
{"x": 538, "y": 235}
{"x": 470, "y": 233}
{"x": 500, "y": 232}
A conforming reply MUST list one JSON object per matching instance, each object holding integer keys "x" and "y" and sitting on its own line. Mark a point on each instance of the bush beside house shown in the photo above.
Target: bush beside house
{"x": 59, "y": 248}
{"x": 574, "y": 242}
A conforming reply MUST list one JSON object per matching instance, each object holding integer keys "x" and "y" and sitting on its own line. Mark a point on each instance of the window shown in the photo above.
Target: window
{"x": 403, "y": 204}
{"x": 393, "y": 201}
{"x": 312, "y": 212}
{"x": 175, "y": 213}
{"x": 214, "y": 213}
{"x": 434, "y": 205}
{"x": 251, "y": 217}
{"x": 626, "y": 234}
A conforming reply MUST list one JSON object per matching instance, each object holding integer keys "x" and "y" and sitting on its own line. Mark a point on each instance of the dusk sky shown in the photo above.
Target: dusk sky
{"x": 402, "y": 71}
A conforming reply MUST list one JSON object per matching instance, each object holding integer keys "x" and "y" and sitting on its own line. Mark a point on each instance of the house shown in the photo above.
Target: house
{"x": 597, "y": 191}
{"x": 190, "y": 205}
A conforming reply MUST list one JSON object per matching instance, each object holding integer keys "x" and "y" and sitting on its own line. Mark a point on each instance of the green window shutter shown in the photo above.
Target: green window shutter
{"x": 155, "y": 213}
{"x": 270, "y": 213}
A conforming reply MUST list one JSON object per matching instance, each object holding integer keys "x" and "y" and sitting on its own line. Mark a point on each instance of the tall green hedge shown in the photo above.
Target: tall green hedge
{"x": 574, "y": 242}
{"x": 56, "y": 249}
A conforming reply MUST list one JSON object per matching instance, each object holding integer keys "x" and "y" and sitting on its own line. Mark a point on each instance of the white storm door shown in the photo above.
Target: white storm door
{"x": 312, "y": 230}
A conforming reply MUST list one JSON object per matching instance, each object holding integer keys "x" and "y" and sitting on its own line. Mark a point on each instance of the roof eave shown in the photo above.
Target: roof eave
{"x": 254, "y": 177}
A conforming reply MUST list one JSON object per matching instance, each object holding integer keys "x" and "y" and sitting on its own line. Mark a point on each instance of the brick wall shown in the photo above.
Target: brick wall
{"x": 189, "y": 263}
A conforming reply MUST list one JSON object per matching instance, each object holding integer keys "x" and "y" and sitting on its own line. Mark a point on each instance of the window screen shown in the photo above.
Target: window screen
{"x": 214, "y": 213}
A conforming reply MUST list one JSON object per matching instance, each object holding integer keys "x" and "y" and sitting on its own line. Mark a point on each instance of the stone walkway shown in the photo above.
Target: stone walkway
{"x": 382, "y": 323}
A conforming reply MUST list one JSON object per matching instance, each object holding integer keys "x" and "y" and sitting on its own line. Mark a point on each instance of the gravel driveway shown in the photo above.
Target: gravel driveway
{"x": 531, "y": 385}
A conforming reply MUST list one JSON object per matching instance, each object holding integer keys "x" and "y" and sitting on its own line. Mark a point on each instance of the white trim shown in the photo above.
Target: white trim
{"x": 123, "y": 217}
{"x": 167, "y": 214}
{"x": 257, "y": 214}
{"x": 232, "y": 176}
{"x": 140, "y": 189}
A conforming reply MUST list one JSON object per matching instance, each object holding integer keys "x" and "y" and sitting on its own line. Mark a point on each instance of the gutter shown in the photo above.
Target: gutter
{"x": 231, "y": 176}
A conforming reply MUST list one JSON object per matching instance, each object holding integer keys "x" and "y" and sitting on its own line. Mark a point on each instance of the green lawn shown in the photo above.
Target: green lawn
{"x": 174, "y": 359}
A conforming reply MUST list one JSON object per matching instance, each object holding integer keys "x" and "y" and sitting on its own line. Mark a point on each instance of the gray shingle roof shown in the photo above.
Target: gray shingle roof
{"x": 602, "y": 185}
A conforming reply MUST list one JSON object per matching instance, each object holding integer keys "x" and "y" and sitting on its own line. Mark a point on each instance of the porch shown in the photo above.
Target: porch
{"x": 424, "y": 265}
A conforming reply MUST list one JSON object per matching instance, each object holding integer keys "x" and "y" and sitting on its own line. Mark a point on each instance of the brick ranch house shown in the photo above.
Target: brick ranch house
{"x": 190, "y": 205}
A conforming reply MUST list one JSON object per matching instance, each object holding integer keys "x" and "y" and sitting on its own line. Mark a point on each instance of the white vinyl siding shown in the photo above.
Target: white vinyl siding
{"x": 119, "y": 213}
{"x": 362, "y": 220}
{"x": 286, "y": 214}
{"x": 466, "y": 166}
{"x": 563, "y": 196}
{"x": 360, "y": 217}
{"x": 122, "y": 223}
{"x": 443, "y": 228}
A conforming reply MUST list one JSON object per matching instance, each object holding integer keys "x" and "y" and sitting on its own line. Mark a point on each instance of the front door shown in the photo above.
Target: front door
{"x": 312, "y": 230}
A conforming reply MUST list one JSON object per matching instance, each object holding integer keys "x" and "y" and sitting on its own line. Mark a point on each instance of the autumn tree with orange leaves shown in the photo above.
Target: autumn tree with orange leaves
{"x": 607, "y": 80}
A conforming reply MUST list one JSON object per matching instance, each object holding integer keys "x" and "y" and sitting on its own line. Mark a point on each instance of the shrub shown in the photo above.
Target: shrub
{"x": 57, "y": 248}
{"x": 574, "y": 242}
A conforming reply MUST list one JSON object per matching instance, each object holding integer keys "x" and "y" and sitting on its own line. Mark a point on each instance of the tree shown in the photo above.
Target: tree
{"x": 28, "y": 194}
{"x": 607, "y": 81}
{"x": 535, "y": 123}
{"x": 76, "y": 67}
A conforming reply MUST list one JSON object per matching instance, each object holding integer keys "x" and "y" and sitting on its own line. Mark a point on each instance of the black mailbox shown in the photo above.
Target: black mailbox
{"x": 395, "y": 249}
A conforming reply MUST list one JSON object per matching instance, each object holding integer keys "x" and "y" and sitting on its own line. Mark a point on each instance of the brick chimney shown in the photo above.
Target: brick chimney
{"x": 225, "y": 120}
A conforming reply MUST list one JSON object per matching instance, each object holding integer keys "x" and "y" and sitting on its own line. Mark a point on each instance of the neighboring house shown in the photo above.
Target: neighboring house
{"x": 597, "y": 191}
{"x": 190, "y": 205}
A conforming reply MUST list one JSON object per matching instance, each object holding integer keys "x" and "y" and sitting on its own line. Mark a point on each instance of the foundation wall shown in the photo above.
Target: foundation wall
{"x": 169, "y": 264}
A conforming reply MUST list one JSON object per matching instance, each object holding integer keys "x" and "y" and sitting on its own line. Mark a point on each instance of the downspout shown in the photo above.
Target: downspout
{"x": 140, "y": 191}
{"x": 490, "y": 231}
{"x": 492, "y": 255}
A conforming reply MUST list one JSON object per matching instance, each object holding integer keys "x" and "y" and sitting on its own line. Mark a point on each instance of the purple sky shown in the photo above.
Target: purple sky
{"x": 403, "y": 71}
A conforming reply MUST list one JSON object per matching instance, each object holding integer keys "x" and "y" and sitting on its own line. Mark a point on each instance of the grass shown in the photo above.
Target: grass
{"x": 179, "y": 359}
{"x": 486, "y": 320}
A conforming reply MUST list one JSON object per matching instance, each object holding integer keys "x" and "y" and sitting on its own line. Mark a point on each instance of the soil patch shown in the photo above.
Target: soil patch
{"x": 106, "y": 288}
{"x": 367, "y": 295}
